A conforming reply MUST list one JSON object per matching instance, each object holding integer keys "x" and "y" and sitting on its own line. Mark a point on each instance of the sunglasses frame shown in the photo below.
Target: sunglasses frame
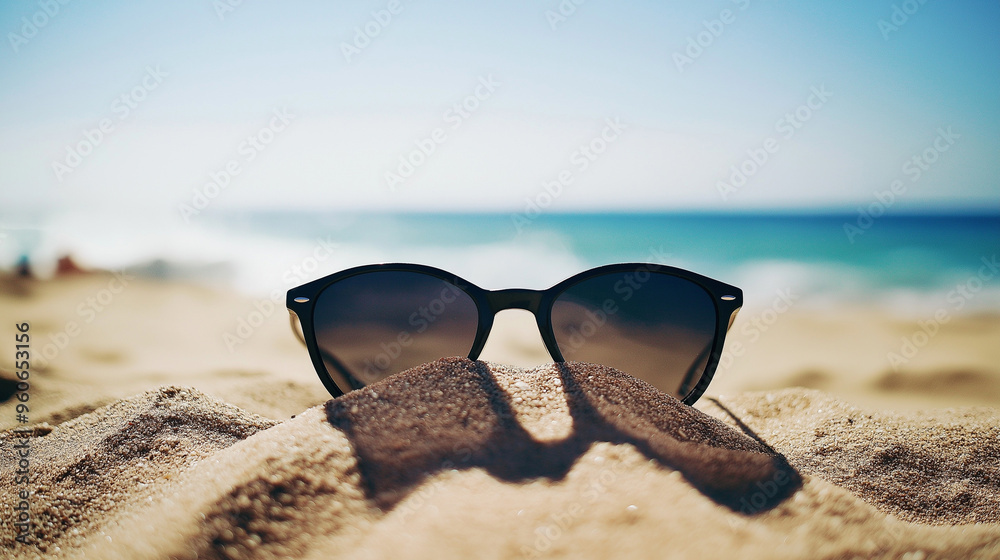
{"x": 301, "y": 303}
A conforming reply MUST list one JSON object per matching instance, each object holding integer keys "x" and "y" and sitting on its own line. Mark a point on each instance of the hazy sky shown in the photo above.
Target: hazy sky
{"x": 633, "y": 105}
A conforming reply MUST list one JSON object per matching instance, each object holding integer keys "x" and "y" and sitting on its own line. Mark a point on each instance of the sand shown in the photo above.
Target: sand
{"x": 149, "y": 439}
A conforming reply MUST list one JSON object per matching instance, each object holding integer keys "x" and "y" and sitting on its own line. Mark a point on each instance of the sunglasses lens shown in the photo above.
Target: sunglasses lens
{"x": 375, "y": 324}
{"x": 654, "y": 326}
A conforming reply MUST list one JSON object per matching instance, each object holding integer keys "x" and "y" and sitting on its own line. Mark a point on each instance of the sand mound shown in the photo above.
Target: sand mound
{"x": 939, "y": 467}
{"x": 454, "y": 414}
{"x": 88, "y": 470}
{"x": 459, "y": 459}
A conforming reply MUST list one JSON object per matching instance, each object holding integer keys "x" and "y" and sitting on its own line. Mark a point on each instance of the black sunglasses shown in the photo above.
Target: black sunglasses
{"x": 661, "y": 324}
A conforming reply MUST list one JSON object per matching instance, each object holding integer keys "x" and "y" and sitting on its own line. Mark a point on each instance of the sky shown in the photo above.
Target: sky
{"x": 195, "y": 106}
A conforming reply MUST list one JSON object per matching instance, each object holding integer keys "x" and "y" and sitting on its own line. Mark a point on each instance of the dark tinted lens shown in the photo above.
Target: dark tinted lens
{"x": 380, "y": 323}
{"x": 654, "y": 326}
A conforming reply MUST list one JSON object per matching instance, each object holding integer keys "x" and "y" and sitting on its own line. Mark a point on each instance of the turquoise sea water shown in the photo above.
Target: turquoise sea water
{"x": 903, "y": 261}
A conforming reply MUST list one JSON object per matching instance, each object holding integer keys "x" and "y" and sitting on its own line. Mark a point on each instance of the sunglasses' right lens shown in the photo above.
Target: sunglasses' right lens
{"x": 654, "y": 326}
{"x": 378, "y": 323}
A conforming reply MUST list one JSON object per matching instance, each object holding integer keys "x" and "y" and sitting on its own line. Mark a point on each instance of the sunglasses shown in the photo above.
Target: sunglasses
{"x": 658, "y": 323}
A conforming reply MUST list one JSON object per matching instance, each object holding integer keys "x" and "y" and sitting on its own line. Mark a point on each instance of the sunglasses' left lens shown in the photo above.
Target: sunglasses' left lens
{"x": 375, "y": 324}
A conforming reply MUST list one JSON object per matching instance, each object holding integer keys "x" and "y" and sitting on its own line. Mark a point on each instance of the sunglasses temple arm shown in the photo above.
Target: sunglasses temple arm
{"x": 293, "y": 321}
{"x": 693, "y": 370}
{"x": 341, "y": 368}
{"x": 732, "y": 318}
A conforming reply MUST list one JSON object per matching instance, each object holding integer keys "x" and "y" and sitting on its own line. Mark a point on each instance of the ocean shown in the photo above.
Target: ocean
{"x": 909, "y": 264}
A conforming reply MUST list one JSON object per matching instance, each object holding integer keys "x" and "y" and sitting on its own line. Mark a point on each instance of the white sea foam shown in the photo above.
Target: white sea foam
{"x": 258, "y": 255}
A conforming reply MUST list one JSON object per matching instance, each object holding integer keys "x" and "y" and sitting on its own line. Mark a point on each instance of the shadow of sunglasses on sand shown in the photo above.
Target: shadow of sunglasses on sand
{"x": 452, "y": 414}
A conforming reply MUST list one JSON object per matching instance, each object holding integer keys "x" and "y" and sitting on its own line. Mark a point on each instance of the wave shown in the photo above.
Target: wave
{"x": 259, "y": 253}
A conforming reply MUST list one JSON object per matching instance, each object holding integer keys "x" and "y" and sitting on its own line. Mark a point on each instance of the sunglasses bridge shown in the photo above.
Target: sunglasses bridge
{"x": 514, "y": 298}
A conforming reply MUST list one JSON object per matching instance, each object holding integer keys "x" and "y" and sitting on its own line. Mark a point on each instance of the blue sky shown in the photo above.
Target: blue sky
{"x": 204, "y": 81}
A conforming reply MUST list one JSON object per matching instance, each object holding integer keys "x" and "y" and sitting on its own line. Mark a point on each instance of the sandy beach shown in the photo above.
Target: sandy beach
{"x": 154, "y": 435}
{"x": 617, "y": 177}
